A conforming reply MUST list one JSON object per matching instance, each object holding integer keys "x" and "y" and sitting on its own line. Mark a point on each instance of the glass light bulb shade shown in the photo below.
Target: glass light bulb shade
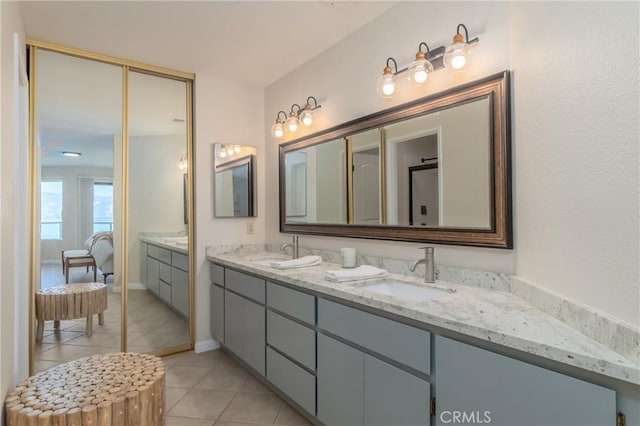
{"x": 237, "y": 148}
{"x": 292, "y": 123}
{"x": 456, "y": 56}
{"x": 277, "y": 130}
{"x": 223, "y": 153}
{"x": 306, "y": 117}
{"x": 419, "y": 71}
{"x": 386, "y": 85}
{"x": 230, "y": 151}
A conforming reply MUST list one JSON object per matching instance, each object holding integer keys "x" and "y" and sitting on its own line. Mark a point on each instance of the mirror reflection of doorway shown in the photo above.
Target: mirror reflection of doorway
{"x": 423, "y": 195}
{"x": 366, "y": 193}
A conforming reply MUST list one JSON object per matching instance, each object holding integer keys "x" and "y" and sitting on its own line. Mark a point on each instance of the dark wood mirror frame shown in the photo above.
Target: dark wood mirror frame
{"x": 500, "y": 233}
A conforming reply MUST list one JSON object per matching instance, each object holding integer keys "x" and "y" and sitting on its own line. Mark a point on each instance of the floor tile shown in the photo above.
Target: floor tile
{"x": 61, "y": 336}
{"x": 290, "y": 417}
{"x": 63, "y": 353}
{"x": 223, "y": 379}
{"x": 173, "y": 395}
{"x": 43, "y": 365}
{"x": 184, "y": 376}
{"x": 202, "y": 404}
{"x": 253, "y": 407}
{"x": 254, "y": 385}
{"x": 184, "y": 421}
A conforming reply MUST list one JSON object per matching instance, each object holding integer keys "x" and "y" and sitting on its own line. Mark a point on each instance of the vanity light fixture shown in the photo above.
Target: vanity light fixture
{"x": 71, "y": 154}
{"x": 277, "y": 130}
{"x": 457, "y": 54}
{"x": 307, "y": 113}
{"x": 386, "y": 82}
{"x": 182, "y": 162}
{"x": 420, "y": 68}
{"x": 296, "y": 117}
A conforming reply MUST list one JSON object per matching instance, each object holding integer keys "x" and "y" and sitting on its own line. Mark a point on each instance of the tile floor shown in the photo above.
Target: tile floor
{"x": 151, "y": 325}
{"x": 212, "y": 388}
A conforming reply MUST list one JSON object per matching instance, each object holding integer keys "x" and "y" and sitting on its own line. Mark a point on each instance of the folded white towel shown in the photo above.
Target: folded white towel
{"x": 297, "y": 263}
{"x": 360, "y": 273}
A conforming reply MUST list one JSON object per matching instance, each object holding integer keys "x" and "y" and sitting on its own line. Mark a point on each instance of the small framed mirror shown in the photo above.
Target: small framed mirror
{"x": 234, "y": 181}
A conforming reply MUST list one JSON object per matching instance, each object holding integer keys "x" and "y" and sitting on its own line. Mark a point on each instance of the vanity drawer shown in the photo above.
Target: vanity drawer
{"x": 295, "y": 340}
{"x": 217, "y": 274}
{"x": 293, "y": 380}
{"x": 165, "y": 273}
{"x": 299, "y": 305}
{"x": 159, "y": 253}
{"x": 180, "y": 260}
{"x": 400, "y": 342}
{"x": 247, "y": 285}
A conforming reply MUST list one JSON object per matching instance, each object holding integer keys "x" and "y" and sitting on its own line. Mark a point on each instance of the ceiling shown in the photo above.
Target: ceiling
{"x": 251, "y": 42}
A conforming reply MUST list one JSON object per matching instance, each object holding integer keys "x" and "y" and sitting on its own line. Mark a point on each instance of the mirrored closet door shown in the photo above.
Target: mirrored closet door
{"x": 111, "y": 192}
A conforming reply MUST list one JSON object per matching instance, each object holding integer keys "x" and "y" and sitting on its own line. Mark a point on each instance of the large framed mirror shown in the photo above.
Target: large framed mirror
{"x": 434, "y": 170}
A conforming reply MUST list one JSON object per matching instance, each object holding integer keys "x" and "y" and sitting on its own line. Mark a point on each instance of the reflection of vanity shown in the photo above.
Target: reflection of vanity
{"x": 434, "y": 170}
{"x": 165, "y": 270}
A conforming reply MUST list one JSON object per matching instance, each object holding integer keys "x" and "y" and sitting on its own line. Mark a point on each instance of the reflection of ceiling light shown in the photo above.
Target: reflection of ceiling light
{"x": 71, "y": 154}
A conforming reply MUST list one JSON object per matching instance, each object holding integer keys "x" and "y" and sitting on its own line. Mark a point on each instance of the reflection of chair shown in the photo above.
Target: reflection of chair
{"x": 77, "y": 258}
{"x": 97, "y": 253}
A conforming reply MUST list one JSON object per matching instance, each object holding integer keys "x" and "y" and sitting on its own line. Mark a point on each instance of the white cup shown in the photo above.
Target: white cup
{"x": 348, "y": 257}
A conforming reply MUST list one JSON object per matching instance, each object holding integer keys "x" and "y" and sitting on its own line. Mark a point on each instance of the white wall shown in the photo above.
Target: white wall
{"x": 343, "y": 79}
{"x": 576, "y": 110}
{"x": 575, "y": 119}
{"x": 227, "y": 113}
{"x": 13, "y": 211}
{"x": 71, "y": 238}
{"x": 156, "y": 201}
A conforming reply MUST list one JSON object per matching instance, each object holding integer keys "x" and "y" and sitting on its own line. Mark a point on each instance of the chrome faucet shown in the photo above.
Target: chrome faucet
{"x": 293, "y": 245}
{"x": 429, "y": 276}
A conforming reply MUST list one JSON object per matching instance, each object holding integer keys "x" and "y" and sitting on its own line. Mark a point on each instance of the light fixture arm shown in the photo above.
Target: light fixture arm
{"x": 422, "y": 43}
{"x": 297, "y": 112}
{"x": 278, "y": 116}
{"x": 315, "y": 103}
{"x": 395, "y": 65}
{"x": 466, "y": 34}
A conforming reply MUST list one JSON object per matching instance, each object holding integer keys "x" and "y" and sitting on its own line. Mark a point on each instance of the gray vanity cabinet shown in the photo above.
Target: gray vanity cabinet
{"x": 153, "y": 275}
{"x": 503, "y": 391}
{"x": 355, "y": 388}
{"x": 244, "y": 319}
{"x": 166, "y": 275}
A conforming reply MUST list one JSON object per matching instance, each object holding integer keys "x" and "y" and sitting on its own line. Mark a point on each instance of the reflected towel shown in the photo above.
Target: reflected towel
{"x": 297, "y": 263}
{"x": 360, "y": 273}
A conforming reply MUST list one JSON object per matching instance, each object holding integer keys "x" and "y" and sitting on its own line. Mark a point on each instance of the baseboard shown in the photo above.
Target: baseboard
{"x": 206, "y": 345}
{"x": 131, "y": 286}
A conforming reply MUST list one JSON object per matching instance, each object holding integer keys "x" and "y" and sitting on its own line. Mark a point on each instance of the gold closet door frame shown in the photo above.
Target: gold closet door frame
{"x": 34, "y": 256}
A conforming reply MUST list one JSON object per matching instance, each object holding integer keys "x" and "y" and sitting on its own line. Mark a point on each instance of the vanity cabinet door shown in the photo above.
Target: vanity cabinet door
{"x": 393, "y": 396}
{"x": 180, "y": 291}
{"x": 502, "y": 391}
{"x": 143, "y": 264}
{"x": 153, "y": 275}
{"x": 244, "y": 330}
{"x": 254, "y": 335}
{"x": 217, "y": 313}
{"x": 233, "y": 312}
{"x": 340, "y": 378}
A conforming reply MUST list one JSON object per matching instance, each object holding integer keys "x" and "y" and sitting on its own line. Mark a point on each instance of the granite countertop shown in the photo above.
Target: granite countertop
{"x": 172, "y": 242}
{"x": 495, "y": 316}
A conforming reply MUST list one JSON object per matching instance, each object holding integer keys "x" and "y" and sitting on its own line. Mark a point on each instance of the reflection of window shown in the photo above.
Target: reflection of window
{"x": 51, "y": 210}
{"x": 102, "y": 207}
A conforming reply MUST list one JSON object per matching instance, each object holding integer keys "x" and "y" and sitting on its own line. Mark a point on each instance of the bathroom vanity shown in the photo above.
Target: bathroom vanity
{"x": 345, "y": 355}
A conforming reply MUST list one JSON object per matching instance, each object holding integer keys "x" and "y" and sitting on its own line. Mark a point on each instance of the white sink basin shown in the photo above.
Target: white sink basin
{"x": 406, "y": 291}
